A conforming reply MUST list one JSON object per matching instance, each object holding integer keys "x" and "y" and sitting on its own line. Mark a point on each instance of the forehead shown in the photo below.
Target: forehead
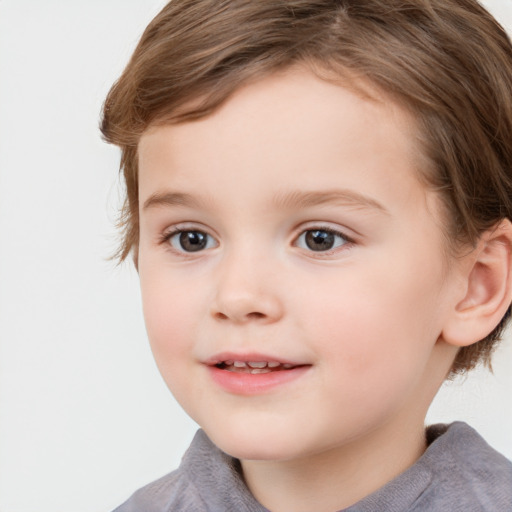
{"x": 296, "y": 97}
{"x": 291, "y": 122}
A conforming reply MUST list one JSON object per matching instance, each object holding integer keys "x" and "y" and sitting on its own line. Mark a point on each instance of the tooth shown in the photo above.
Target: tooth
{"x": 273, "y": 364}
{"x": 229, "y": 362}
{"x": 260, "y": 370}
{"x": 287, "y": 366}
{"x": 239, "y": 364}
{"x": 257, "y": 364}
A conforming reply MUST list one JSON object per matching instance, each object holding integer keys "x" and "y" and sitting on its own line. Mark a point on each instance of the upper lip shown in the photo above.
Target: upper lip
{"x": 247, "y": 357}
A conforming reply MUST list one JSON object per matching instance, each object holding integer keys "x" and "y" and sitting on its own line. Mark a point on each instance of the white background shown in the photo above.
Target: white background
{"x": 85, "y": 418}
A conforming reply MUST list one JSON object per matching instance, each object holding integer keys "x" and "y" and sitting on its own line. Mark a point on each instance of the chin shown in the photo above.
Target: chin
{"x": 248, "y": 451}
{"x": 256, "y": 444}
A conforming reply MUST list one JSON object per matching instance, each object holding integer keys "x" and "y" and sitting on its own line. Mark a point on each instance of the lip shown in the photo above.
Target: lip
{"x": 253, "y": 384}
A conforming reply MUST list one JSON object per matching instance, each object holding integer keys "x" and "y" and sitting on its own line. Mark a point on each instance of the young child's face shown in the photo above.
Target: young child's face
{"x": 291, "y": 227}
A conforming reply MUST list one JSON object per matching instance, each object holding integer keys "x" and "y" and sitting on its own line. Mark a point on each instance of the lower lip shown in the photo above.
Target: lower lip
{"x": 240, "y": 383}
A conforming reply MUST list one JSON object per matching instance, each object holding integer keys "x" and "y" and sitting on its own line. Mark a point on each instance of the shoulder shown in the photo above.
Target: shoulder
{"x": 459, "y": 472}
{"x": 173, "y": 492}
{"x": 467, "y": 473}
{"x": 208, "y": 480}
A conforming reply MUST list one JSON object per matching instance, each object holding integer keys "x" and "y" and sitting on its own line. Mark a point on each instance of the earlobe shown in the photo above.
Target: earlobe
{"x": 488, "y": 288}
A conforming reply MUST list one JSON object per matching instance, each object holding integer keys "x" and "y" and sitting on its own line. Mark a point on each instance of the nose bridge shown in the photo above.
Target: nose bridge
{"x": 246, "y": 286}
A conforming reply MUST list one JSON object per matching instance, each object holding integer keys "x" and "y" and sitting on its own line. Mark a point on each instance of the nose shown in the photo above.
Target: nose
{"x": 248, "y": 290}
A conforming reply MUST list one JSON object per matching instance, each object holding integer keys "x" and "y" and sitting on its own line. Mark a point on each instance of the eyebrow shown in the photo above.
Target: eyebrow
{"x": 170, "y": 199}
{"x": 343, "y": 197}
{"x": 294, "y": 199}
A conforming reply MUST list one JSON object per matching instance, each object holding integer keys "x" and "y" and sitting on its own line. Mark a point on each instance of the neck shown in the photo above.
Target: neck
{"x": 337, "y": 478}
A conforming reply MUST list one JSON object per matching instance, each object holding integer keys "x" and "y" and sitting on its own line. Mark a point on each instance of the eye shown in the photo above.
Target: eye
{"x": 191, "y": 241}
{"x": 320, "y": 240}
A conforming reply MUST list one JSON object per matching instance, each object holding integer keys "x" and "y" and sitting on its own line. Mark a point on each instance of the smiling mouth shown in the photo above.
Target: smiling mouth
{"x": 254, "y": 367}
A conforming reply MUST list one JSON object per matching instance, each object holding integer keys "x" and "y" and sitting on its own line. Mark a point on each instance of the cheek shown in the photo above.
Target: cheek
{"x": 378, "y": 333}
{"x": 170, "y": 314}
{"x": 373, "y": 366}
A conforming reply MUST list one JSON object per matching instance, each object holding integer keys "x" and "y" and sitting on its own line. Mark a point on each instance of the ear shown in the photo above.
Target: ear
{"x": 487, "y": 288}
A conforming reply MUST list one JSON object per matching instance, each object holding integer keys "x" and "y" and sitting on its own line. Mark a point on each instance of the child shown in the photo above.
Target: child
{"x": 319, "y": 196}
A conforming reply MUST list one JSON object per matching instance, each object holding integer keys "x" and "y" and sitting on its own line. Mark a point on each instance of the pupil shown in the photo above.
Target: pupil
{"x": 319, "y": 240}
{"x": 192, "y": 240}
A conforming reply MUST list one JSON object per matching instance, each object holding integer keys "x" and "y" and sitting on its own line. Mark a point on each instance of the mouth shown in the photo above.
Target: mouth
{"x": 253, "y": 373}
{"x": 254, "y": 367}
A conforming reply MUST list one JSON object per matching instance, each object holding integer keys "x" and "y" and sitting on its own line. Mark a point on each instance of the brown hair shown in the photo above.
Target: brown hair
{"x": 447, "y": 61}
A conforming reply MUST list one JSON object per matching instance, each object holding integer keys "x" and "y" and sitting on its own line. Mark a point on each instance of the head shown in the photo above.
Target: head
{"x": 446, "y": 62}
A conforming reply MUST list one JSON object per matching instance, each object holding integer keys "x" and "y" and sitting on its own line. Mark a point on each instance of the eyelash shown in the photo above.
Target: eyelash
{"x": 347, "y": 242}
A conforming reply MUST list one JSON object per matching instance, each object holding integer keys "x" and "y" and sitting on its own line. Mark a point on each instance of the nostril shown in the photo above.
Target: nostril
{"x": 256, "y": 314}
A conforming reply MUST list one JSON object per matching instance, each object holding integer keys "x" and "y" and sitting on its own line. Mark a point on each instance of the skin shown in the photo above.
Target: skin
{"x": 366, "y": 316}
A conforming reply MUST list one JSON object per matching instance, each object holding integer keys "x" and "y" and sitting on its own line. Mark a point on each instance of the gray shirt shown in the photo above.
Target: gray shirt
{"x": 459, "y": 471}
